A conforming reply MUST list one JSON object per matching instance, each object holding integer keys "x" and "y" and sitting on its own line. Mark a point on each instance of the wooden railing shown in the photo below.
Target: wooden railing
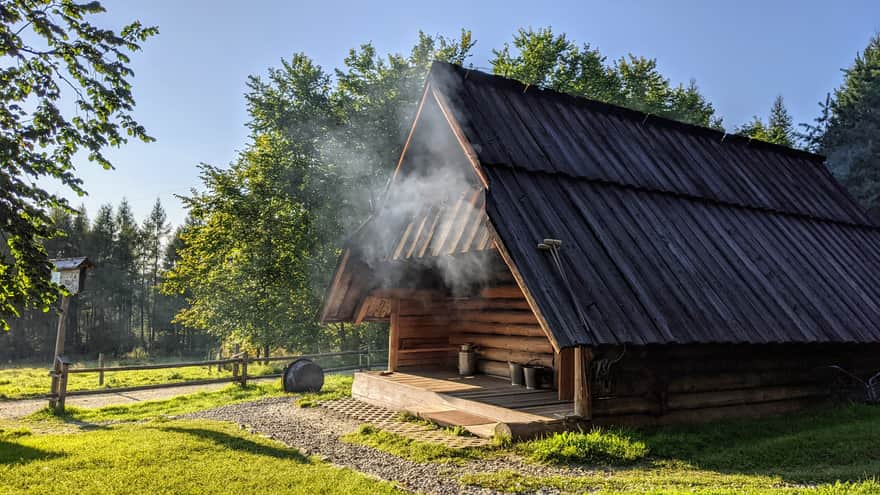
{"x": 239, "y": 362}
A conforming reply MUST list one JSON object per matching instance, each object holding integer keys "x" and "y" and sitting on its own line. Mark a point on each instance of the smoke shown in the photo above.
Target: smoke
{"x": 434, "y": 177}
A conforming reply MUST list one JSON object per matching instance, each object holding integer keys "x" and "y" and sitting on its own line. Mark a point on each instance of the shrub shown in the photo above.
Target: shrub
{"x": 595, "y": 446}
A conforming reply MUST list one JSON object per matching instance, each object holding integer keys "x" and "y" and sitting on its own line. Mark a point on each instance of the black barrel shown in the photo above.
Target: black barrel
{"x": 303, "y": 375}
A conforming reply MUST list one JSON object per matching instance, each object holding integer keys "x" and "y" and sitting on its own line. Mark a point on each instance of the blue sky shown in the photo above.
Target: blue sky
{"x": 190, "y": 80}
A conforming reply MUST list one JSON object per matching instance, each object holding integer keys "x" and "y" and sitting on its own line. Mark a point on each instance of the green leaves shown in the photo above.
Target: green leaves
{"x": 48, "y": 51}
{"x": 552, "y": 61}
{"x": 778, "y": 130}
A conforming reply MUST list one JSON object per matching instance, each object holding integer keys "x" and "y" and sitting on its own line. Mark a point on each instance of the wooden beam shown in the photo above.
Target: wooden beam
{"x": 520, "y": 281}
{"x": 331, "y": 294}
{"x": 459, "y": 135}
{"x": 583, "y": 406}
{"x": 564, "y": 367}
{"x": 412, "y": 131}
{"x": 394, "y": 335}
{"x": 363, "y": 309}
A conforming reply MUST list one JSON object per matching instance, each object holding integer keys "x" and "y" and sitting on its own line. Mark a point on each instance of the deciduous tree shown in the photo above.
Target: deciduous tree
{"x": 50, "y": 50}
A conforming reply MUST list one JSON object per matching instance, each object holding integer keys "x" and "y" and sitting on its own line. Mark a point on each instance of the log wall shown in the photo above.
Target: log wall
{"x": 650, "y": 384}
{"x": 667, "y": 384}
{"x": 497, "y": 321}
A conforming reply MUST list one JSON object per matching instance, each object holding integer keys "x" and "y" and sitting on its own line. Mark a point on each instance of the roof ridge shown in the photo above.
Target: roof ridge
{"x": 634, "y": 114}
{"x": 689, "y": 197}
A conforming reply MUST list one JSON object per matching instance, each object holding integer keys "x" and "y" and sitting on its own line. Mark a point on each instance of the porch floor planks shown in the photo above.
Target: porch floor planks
{"x": 483, "y": 389}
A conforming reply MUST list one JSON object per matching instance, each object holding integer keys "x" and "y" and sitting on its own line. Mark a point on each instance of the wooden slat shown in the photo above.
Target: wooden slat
{"x": 497, "y": 328}
{"x": 468, "y": 212}
{"x": 534, "y": 344}
{"x": 507, "y": 292}
{"x": 521, "y": 357}
{"x": 394, "y": 335}
{"x": 504, "y": 316}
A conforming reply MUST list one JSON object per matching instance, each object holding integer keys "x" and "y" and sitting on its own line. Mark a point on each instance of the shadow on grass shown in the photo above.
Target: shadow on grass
{"x": 69, "y": 417}
{"x": 12, "y": 453}
{"x": 241, "y": 444}
{"x": 820, "y": 445}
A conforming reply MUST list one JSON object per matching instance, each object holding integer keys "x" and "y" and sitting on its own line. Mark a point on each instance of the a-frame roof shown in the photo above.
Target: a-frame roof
{"x": 671, "y": 233}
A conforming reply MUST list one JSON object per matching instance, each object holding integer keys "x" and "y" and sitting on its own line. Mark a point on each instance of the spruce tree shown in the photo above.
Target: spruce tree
{"x": 851, "y": 141}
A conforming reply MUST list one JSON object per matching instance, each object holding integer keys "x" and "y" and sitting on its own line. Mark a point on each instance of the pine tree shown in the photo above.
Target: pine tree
{"x": 125, "y": 267}
{"x": 851, "y": 141}
{"x": 153, "y": 232}
{"x": 778, "y": 130}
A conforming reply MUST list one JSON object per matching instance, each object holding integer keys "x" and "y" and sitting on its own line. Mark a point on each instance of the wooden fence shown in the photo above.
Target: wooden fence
{"x": 239, "y": 363}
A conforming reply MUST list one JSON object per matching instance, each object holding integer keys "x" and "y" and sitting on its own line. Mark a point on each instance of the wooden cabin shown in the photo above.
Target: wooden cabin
{"x": 655, "y": 271}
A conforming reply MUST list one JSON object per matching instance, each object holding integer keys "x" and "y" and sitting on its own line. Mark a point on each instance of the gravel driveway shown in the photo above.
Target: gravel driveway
{"x": 316, "y": 431}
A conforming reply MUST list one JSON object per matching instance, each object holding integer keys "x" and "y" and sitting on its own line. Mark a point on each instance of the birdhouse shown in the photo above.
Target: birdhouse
{"x": 71, "y": 273}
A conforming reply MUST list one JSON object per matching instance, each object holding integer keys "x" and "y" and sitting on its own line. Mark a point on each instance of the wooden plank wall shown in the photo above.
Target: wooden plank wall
{"x": 667, "y": 384}
{"x": 497, "y": 320}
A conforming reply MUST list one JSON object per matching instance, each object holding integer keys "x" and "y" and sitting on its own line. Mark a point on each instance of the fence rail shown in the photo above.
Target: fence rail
{"x": 61, "y": 371}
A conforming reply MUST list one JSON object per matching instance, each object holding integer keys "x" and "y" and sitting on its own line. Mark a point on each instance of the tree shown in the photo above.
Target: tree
{"x": 778, "y": 130}
{"x": 544, "y": 59}
{"x": 153, "y": 232}
{"x": 49, "y": 51}
{"x": 266, "y": 231}
{"x": 847, "y": 130}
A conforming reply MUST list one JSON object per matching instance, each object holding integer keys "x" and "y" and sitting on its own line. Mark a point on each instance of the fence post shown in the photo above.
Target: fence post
{"x": 62, "y": 387}
{"x": 101, "y": 365}
{"x": 244, "y": 363}
{"x": 219, "y": 357}
{"x": 369, "y": 363}
{"x": 235, "y": 351}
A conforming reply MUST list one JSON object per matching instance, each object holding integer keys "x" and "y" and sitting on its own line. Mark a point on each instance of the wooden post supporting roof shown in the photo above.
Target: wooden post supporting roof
{"x": 583, "y": 406}
{"x": 394, "y": 335}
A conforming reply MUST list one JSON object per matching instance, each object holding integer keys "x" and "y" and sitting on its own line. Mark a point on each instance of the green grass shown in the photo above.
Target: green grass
{"x": 666, "y": 479}
{"x": 182, "y": 404}
{"x": 179, "y": 457}
{"x": 19, "y": 383}
{"x": 596, "y": 446}
{"x": 408, "y": 448}
{"x": 335, "y": 387}
{"x": 822, "y": 451}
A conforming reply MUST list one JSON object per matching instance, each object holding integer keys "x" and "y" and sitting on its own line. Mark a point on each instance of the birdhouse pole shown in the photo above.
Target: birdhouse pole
{"x": 70, "y": 273}
{"x": 62, "y": 327}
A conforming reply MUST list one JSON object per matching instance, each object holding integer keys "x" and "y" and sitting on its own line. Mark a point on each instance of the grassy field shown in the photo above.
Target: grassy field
{"x": 23, "y": 382}
{"x": 179, "y": 457}
{"x": 831, "y": 451}
{"x": 825, "y": 451}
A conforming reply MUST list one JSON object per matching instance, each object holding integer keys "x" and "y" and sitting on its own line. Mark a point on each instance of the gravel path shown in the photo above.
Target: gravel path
{"x": 12, "y": 409}
{"x": 316, "y": 431}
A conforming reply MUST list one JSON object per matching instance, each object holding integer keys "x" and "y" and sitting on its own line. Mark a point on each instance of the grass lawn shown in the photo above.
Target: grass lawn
{"x": 18, "y": 383}
{"x": 179, "y": 457}
{"x": 824, "y": 451}
{"x": 335, "y": 386}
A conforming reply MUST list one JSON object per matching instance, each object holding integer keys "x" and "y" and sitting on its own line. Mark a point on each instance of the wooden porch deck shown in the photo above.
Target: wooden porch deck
{"x": 478, "y": 403}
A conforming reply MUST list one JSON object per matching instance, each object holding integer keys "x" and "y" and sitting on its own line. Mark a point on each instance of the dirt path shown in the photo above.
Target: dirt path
{"x": 11, "y": 409}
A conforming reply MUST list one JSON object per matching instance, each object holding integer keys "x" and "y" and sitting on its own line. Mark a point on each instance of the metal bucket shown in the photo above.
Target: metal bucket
{"x": 467, "y": 360}
{"x": 532, "y": 379}
{"x": 516, "y": 374}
